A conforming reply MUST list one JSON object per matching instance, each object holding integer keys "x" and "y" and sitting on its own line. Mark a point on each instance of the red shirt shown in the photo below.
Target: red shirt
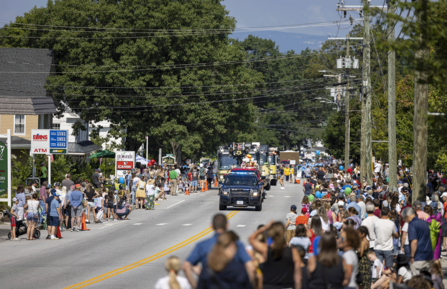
{"x": 189, "y": 176}
{"x": 349, "y": 171}
{"x": 377, "y": 213}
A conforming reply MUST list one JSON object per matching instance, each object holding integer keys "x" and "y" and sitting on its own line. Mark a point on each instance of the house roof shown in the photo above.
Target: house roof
{"x": 18, "y": 142}
{"x": 22, "y": 92}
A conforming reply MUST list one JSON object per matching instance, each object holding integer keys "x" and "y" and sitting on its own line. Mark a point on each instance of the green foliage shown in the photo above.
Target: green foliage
{"x": 160, "y": 104}
{"x": 21, "y": 171}
{"x": 291, "y": 114}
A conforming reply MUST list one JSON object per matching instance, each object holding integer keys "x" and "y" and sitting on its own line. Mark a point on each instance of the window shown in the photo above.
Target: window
{"x": 19, "y": 124}
{"x": 56, "y": 126}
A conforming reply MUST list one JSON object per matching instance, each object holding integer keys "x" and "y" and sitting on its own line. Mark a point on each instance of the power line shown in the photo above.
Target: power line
{"x": 171, "y": 66}
{"x": 179, "y": 30}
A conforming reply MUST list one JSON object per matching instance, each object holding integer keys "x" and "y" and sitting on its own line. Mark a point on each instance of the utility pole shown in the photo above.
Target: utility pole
{"x": 366, "y": 137}
{"x": 420, "y": 125}
{"x": 392, "y": 155}
{"x": 347, "y": 130}
{"x": 367, "y": 153}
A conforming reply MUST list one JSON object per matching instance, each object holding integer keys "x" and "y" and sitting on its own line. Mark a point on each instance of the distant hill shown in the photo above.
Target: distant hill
{"x": 285, "y": 40}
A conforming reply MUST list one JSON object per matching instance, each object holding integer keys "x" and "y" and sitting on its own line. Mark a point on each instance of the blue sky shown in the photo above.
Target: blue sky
{"x": 248, "y": 13}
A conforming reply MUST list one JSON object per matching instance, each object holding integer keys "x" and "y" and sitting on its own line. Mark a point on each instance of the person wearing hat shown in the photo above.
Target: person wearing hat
{"x": 14, "y": 217}
{"x": 150, "y": 195}
{"x": 290, "y": 224}
{"x": 302, "y": 219}
{"x": 55, "y": 214}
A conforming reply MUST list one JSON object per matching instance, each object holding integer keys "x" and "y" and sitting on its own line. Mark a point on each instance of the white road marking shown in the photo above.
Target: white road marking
{"x": 186, "y": 225}
{"x": 137, "y": 224}
{"x": 270, "y": 196}
{"x": 286, "y": 196}
{"x": 240, "y": 226}
{"x": 161, "y": 224}
{"x": 175, "y": 204}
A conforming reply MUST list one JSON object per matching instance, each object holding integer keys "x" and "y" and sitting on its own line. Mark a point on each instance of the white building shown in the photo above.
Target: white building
{"x": 81, "y": 144}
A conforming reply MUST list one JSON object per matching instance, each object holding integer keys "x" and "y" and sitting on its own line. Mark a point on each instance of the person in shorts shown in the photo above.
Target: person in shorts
{"x": 14, "y": 217}
{"x": 194, "y": 180}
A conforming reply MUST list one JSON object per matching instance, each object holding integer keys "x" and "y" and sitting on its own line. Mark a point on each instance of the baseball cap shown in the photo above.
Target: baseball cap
{"x": 77, "y": 185}
{"x": 399, "y": 182}
{"x": 303, "y": 210}
{"x": 417, "y": 204}
{"x": 341, "y": 203}
{"x": 444, "y": 195}
{"x": 293, "y": 208}
{"x": 48, "y": 186}
{"x": 404, "y": 189}
{"x": 55, "y": 194}
{"x": 14, "y": 199}
{"x": 53, "y": 191}
{"x": 368, "y": 188}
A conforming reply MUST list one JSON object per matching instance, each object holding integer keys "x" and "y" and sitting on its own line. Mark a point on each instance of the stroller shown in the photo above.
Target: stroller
{"x": 21, "y": 227}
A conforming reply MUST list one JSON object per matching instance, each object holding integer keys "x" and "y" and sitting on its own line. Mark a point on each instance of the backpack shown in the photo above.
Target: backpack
{"x": 141, "y": 186}
{"x": 110, "y": 203}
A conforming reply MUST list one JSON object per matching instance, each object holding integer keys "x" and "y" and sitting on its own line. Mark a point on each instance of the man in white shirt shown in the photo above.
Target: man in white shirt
{"x": 377, "y": 167}
{"x": 360, "y": 202}
{"x": 385, "y": 232}
{"x": 369, "y": 223}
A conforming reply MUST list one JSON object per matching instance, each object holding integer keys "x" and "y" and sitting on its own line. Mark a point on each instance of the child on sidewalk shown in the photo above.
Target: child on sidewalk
{"x": 14, "y": 216}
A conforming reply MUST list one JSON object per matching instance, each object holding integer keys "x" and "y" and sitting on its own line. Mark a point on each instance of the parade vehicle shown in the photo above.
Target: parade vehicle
{"x": 231, "y": 156}
{"x": 241, "y": 190}
{"x": 289, "y": 157}
{"x": 264, "y": 165}
{"x": 272, "y": 161}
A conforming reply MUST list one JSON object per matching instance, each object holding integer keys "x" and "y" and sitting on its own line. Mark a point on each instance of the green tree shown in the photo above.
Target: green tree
{"x": 126, "y": 67}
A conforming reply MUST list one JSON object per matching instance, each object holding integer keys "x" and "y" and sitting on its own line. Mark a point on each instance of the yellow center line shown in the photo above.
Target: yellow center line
{"x": 148, "y": 259}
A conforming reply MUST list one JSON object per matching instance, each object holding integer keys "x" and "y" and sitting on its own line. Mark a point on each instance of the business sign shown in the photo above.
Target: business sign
{"x": 58, "y": 141}
{"x": 46, "y": 141}
{"x": 124, "y": 165}
{"x": 3, "y": 169}
{"x": 40, "y": 141}
{"x": 124, "y": 161}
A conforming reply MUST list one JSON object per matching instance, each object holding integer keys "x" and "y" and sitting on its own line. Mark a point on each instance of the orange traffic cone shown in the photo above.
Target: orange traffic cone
{"x": 203, "y": 188}
{"x": 187, "y": 191}
{"x": 215, "y": 182}
{"x": 84, "y": 225}
{"x": 58, "y": 234}
{"x": 206, "y": 186}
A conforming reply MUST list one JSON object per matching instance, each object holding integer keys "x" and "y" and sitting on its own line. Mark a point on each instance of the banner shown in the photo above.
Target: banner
{"x": 3, "y": 169}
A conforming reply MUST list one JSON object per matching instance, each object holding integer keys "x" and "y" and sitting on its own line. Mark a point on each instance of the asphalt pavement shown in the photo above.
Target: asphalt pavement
{"x": 131, "y": 254}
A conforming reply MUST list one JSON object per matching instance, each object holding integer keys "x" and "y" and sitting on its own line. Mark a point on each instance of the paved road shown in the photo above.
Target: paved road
{"x": 126, "y": 254}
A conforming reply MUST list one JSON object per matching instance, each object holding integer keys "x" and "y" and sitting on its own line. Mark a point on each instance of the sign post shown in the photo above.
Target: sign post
{"x": 5, "y": 168}
{"x": 124, "y": 161}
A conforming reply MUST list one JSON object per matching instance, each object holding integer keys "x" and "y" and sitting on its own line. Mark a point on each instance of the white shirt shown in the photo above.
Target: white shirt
{"x": 324, "y": 226}
{"x": 363, "y": 208}
{"x": 405, "y": 229}
{"x": 163, "y": 283}
{"x": 405, "y": 273}
{"x": 384, "y": 230}
{"x": 369, "y": 223}
{"x": 377, "y": 167}
{"x": 33, "y": 206}
{"x": 376, "y": 264}
{"x": 150, "y": 190}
